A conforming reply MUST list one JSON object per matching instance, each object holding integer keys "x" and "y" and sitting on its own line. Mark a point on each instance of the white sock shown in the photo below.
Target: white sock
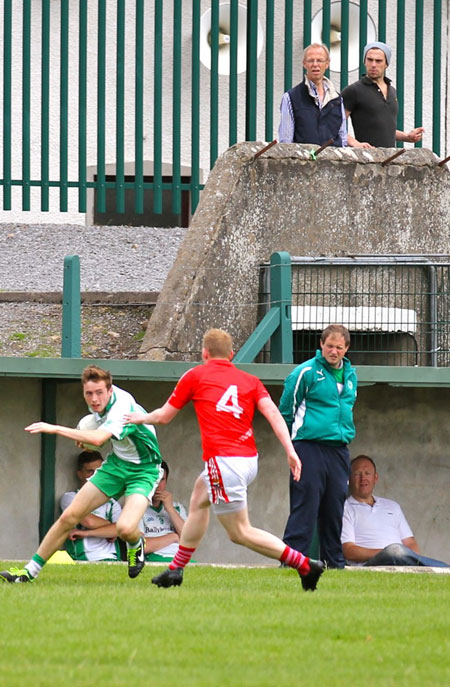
{"x": 131, "y": 545}
{"x": 34, "y": 568}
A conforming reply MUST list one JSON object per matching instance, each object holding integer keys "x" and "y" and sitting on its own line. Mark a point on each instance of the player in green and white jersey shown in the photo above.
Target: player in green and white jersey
{"x": 132, "y": 468}
{"x": 94, "y": 539}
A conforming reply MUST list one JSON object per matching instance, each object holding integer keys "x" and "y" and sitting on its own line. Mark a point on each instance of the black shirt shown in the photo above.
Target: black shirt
{"x": 373, "y": 116}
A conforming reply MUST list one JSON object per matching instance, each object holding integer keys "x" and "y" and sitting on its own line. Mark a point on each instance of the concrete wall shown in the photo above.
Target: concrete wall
{"x": 405, "y": 430}
{"x": 19, "y": 465}
{"x": 344, "y": 203}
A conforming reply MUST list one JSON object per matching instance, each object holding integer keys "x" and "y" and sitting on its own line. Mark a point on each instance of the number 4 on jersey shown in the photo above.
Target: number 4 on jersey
{"x": 229, "y": 402}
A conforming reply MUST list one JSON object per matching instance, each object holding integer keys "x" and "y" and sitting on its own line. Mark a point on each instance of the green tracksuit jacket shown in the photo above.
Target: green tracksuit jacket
{"x": 312, "y": 406}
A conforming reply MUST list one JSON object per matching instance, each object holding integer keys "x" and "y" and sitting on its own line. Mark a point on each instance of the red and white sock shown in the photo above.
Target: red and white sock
{"x": 295, "y": 559}
{"x": 181, "y": 558}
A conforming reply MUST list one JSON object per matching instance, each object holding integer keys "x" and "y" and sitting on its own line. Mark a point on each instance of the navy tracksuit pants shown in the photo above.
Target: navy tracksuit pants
{"x": 319, "y": 498}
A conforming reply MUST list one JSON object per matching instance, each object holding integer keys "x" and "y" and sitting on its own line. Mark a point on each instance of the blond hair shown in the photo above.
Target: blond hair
{"x": 218, "y": 343}
{"x": 317, "y": 45}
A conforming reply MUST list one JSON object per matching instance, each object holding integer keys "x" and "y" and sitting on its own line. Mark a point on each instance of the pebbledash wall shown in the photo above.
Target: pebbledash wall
{"x": 401, "y": 417}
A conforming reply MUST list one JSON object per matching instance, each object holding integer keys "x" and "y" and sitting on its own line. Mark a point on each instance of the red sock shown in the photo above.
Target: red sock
{"x": 295, "y": 559}
{"x": 181, "y": 558}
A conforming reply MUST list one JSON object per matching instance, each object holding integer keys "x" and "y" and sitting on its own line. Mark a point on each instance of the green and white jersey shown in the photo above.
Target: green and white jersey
{"x": 317, "y": 402}
{"x": 131, "y": 443}
{"x": 94, "y": 548}
{"x": 156, "y": 522}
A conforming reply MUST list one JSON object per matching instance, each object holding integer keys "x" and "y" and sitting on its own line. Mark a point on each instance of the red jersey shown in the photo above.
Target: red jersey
{"x": 224, "y": 399}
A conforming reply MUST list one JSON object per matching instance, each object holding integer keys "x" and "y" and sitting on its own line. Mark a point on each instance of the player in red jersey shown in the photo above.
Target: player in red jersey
{"x": 225, "y": 400}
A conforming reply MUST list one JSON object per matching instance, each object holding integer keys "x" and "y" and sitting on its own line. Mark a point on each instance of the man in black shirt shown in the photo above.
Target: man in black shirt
{"x": 372, "y": 104}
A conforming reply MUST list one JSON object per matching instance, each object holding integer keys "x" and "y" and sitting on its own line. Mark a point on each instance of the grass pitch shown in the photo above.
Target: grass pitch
{"x": 83, "y": 625}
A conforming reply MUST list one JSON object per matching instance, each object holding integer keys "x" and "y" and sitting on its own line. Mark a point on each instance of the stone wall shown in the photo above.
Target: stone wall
{"x": 344, "y": 202}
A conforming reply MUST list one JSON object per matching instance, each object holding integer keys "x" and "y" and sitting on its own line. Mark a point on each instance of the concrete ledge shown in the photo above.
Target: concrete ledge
{"x": 144, "y": 370}
{"x": 401, "y": 568}
{"x": 87, "y": 297}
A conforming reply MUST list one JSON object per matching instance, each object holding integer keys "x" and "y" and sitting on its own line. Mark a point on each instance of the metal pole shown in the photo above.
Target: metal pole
{"x": 71, "y": 317}
{"x": 437, "y": 29}
{"x": 251, "y": 76}
{"x": 48, "y": 450}
{"x": 433, "y": 316}
{"x": 281, "y": 297}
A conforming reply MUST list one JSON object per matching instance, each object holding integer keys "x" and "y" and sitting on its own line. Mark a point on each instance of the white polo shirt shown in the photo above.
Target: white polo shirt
{"x": 374, "y": 527}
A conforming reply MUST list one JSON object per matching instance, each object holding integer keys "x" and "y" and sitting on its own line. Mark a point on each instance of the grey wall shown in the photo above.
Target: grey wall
{"x": 344, "y": 203}
{"x": 19, "y": 467}
{"x": 405, "y": 430}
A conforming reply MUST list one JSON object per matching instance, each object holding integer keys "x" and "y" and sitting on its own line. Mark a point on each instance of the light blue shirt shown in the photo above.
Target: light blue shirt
{"x": 287, "y": 123}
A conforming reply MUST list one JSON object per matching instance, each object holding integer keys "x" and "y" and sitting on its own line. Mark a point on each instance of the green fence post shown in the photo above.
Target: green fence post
{"x": 7, "y": 103}
{"x": 233, "y": 87}
{"x": 82, "y": 106}
{"x": 26, "y": 104}
{"x": 437, "y": 30}
{"x": 71, "y": 317}
{"x": 48, "y": 448}
{"x": 400, "y": 81}
{"x": 252, "y": 71}
{"x": 288, "y": 43}
{"x": 418, "y": 69}
{"x": 270, "y": 20}
{"x": 281, "y": 296}
{"x": 139, "y": 80}
{"x": 214, "y": 85}
{"x": 195, "y": 107}
{"x": 176, "y": 108}
{"x": 45, "y": 105}
{"x": 64, "y": 107}
{"x": 382, "y": 20}
{"x": 307, "y": 19}
{"x": 101, "y": 106}
{"x": 326, "y": 26}
{"x": 345, "y": 10}
{"x": 120, "y": 106}
{"x": 363, "y": 12}
{"x": 157, "y": 108}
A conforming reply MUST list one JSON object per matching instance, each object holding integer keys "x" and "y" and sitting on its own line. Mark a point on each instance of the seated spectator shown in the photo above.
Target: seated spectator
{"x": 162, "y": 523}
{"x": 95, "y": 537}
{"x": 374, "y": 530}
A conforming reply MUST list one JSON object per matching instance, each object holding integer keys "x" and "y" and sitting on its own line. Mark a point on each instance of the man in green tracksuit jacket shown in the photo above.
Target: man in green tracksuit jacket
{"x": 317, "y": 404}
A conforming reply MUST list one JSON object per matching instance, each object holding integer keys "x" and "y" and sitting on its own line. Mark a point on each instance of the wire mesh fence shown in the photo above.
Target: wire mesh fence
{"x": 397, "y": 308}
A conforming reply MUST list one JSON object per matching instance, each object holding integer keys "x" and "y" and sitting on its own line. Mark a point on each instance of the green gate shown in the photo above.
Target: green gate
{"x": 140, "y": 96}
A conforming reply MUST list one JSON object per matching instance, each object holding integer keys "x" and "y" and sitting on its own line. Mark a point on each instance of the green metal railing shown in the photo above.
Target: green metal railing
{"x": 276, "y": 324}
{"x": 397, "y": 307}
{"x": 140, "y": 24}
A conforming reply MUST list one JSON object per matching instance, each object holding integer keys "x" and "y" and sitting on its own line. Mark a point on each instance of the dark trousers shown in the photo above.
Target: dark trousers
{"x": 319, "y": 498}
{"x": 398, "y": 554}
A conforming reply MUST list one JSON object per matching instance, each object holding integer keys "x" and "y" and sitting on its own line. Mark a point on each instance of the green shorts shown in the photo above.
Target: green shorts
{"x": 116, "y": 477}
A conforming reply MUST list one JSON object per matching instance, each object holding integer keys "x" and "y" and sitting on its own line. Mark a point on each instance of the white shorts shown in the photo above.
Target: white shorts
{"x": 227, "y": 479}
